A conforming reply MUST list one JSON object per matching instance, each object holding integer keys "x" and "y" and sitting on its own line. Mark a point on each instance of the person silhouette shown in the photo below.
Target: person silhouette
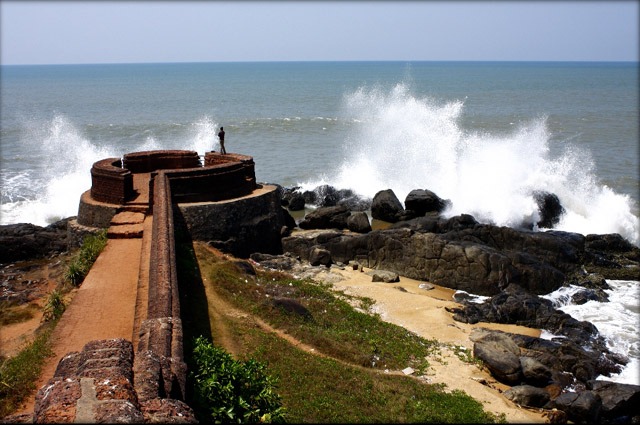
{"x": 221, "y": 138}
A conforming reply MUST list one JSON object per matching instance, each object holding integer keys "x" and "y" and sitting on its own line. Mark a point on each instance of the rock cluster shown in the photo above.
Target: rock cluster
{"x": 512, "y": 266}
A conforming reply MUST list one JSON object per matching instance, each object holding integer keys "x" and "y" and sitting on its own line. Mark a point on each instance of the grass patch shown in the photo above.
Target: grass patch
{"x": 348, "y": 383}
{"x": 18, "y": 374}
{"x": 92, "y": 246}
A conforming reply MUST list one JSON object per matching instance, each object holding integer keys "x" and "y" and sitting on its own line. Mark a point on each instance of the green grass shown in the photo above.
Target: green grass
{"x": 92, "y": 246}
{"x": 18, "y": 374}
{"x": 348, "y": 383}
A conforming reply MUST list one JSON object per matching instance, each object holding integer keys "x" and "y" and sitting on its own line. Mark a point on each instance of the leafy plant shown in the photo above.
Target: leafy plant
{"x": 54, "y": 307}
{"x": 92, "y": 246}
{"x": 228, "y": 390}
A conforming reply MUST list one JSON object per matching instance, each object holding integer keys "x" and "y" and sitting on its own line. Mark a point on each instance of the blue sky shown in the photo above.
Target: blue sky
{"x": 54, "y": 32}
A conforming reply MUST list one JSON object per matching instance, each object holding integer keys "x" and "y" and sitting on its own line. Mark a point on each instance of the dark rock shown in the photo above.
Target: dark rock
{"x": 326, "y": 218}
{"x": 618, "y": 400}
{"x": 24, "y": 241}
{"x": 384, "y": 276}
{"x": 527, "y": 395}
{"x": 276, "y": 262}
{"x": 355, "y": 203}
{"x": 586, "y": 295}
{"x": 326, "y": 196}
{"x": 289, "y": 221}
{"x": 319, "y": 257}
{"x": 500, "y": 355}
{"x": 549, "y": 208}
{"x": 423, "y": 201}
{"x": 359, "y": 222}
{"x": 245, "y": 266}
{"x": 584, "y": 407}
{"x": 534, "y": 372}
{"x": 296, "y": 202}
{"x": 386, "y": 206}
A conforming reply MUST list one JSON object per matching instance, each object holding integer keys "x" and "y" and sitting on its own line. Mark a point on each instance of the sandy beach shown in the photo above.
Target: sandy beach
{"x": 422, "y": 311}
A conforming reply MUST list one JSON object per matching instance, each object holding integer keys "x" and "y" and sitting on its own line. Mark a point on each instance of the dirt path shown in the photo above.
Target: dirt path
{"x": 102, "y": 308}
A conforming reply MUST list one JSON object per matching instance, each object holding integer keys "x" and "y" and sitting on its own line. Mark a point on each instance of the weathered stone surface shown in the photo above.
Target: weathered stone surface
{"x": 422, "y": 201}
{"x": 384, "y": 276}
{"x": 96, "y": 385}
{"x": 296, "y": 202}
{"x": 527, "y": 395}
{"x": 25, "y": 241}
{"x": 386, "y": 206}
{"x": 500, "y": 355}
{"x": 319, "y": 257}
{"x": 619, "y": 401}
{"x": 534, "y": 372}
{"x": 452, "y": 259}
{"x": 167, "y": 411}
{"x": 584, "y": 407}
{"x": 246, "y": 225}
{"x": 56, "y": 401}
{"x": 333, "y": 217}
{"x": 359, "y": 222}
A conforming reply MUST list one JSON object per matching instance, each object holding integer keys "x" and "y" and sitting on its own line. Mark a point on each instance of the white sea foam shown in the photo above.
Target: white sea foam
{"x": 415, "y": 143}
{"x": 617, "y": 320}
{"x": 61, "y": 158}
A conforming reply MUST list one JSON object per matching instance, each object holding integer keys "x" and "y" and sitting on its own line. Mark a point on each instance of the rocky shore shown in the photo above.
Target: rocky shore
{"x": 511, "y": 266}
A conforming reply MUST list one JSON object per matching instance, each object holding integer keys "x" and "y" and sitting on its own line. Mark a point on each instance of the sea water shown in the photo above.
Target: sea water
{"x": 483, "y": 134}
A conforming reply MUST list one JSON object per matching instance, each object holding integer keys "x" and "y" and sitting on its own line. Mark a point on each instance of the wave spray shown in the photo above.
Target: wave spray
{"x": 402, "y": 142}
{"x": 60, "y": 161}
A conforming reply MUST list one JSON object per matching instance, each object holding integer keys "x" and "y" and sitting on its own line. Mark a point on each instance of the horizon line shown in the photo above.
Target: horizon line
{"x": 330, "y": 61}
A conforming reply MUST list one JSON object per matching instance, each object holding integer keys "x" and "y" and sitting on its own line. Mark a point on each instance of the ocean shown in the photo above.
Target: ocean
{"x": 483, "y": 134}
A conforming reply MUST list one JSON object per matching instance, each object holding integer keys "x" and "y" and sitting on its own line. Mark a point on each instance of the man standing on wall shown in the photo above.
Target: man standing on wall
{"x": 221, "y": 137}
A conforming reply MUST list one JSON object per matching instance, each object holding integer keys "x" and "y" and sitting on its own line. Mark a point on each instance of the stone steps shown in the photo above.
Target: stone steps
{"x": 126, "y": 225}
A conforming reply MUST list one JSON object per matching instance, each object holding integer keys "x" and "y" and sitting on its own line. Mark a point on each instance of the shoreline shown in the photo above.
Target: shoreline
{"x": 423, "y": 312}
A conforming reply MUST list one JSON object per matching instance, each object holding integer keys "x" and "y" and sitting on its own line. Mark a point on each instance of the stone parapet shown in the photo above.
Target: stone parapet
{"x": 110, "y": 182}
{"x": 148, "y": 161}
{"x": 97, "y": 386}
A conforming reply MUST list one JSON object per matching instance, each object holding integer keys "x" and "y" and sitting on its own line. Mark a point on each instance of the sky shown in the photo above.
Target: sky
{"x": 72, "y": 32}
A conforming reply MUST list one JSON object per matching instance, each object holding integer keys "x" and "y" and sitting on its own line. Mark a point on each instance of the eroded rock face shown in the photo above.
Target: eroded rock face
{"x": 97, "y": 385}
{"x": 24, "y": 241}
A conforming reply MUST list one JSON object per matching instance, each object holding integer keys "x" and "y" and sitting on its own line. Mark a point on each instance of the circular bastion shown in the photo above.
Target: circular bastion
{"x": 215, "y": 197}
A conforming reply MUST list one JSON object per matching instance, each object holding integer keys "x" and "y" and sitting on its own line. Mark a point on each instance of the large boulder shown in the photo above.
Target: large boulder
{"x": 583, "y": 407}
{"x": 326, "y": 218}
{"x": 358, "y": 222}
{"x": 549, "y": 208}
{"x": 619, "y": 401}
{"x": 24, "y": 241}
{"x": 500, "y": 355}
{"x": 386, "y": 206}
{"x": 422, "y": 201}
{"x": 535, "y": 373}
{"x": 527, "y": 395}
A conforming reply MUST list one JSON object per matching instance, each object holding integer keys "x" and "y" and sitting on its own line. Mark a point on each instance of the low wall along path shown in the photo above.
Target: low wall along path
{"x": 118, "y": 347}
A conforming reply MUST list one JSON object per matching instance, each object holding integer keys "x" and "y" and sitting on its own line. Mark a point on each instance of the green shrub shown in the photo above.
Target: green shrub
{"x": 54, "y": 307}
{"x": 228, "y": 390}
{"x": 92, "y": 246}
